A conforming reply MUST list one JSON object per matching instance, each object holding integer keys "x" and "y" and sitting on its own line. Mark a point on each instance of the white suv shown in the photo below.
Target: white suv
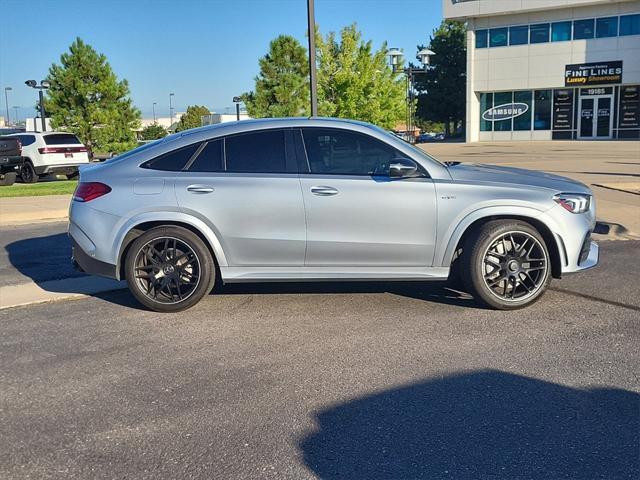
{"x": 47, "y": 153}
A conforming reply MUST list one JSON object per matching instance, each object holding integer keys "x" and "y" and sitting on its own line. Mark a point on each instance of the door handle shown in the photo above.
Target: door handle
{"x": 199, "y": 189}
{"x": 324, "y": 191}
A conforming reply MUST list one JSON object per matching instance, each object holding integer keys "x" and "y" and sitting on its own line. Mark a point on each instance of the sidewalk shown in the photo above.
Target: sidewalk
{"x": 610, "y": 169}
{"x": 26, "y": 210}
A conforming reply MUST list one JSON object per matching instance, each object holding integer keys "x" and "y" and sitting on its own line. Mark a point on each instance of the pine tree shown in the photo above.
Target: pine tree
{"x": 87, "y": 98}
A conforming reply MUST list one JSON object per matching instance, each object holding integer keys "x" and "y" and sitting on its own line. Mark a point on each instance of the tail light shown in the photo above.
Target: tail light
{"x": 85, "y": 192}
{"x": 62, "y": 149}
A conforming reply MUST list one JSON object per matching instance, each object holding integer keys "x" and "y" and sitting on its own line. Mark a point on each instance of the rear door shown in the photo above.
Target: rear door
{"x": 62, "y": 149}
{"x": 248, "y": 188}
{"x": 356, "y": 214}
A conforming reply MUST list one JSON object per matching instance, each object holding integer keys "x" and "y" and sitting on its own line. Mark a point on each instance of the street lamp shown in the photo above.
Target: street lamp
{"x": 154, "y": 111}
{"x": 6, "y": 101}
{"x": 313, "y": 83}
{"x": 396, "y": 56}
{"x": 170, "y": 110}
{"x": 44, "y": 84}
{"x": 15, "y": 110}
{"x": 237, "y": 101}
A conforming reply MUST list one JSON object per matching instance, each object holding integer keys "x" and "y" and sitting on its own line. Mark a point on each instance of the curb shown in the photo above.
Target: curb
{"x": 68, "y": 288}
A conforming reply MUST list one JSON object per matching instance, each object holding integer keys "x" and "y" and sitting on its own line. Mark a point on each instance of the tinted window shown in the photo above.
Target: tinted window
{"x": 583, "y": 29}
{"x": 61, "y": 139}
{"x": 481, "y": 38}
{"x": 209, "y": 159}
{"x": 502, "y": 98}
{"x": 539, "y": 33}
{"x": 486, "y": 102}
{"x": 339, "y": 152}
{"x": 518, "y": 35}
{"x": 542, "y": 111}
{"x": 560, "y": 31}
{"x": 172, "y": 161}
{"x": 630, "y": 25}
{"x": 258, "y": 152}
{"x": 498, "y": 37}
{"x": 523, "y": 122}
{"x": 607, "y": 27}
{"x": 27, "y": 139}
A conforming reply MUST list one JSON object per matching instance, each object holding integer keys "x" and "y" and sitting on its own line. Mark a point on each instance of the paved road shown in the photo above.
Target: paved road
{"x": 37, "y": 252}
{"x": 321, "y": 381}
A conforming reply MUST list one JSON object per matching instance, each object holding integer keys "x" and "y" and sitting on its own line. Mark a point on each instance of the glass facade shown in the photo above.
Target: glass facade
{"x": 538, "y": 109}
{"x": 523, "y": 121}
{"x": 542, "y": 113}
{"x": 559, "y": 31}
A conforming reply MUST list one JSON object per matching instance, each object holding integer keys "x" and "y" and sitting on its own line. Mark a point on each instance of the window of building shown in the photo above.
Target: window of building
{"x": 539, "y": 33}
{"x": 606, "y": 27}
{"x": 173, "y": 161}
{"x": 542, "y": 110}
{"x": 482, "y": 37}
{"x": 560, "y": 31}
{"x": 210, "y": 159}
{"x": 498, "y": 37}
{"x": 256, "y": 152}
{"x": 486, "y": 102}
{"x": 502, "y": 98}
{"x": 523, "y": 121}
{"x": 630, "y": 24}
{"x": 583, "y": 29}
{"x": 518, "y": 35}
{"x": 338, "y": 152}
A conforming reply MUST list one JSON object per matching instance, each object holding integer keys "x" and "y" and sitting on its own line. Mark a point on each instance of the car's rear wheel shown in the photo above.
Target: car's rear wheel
{"x": 7, "y": 179}
{"x": 506, "y": 264}
{"x": 169, "y": 269}
{"x": 28, "y": 173}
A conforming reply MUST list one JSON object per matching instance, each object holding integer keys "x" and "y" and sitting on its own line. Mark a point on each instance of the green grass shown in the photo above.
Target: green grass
{"x": 62, "y": 187}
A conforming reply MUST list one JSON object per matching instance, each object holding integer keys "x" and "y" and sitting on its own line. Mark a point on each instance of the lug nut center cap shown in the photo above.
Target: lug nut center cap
{"x": 513, "y": 266}
{"x": 168, "y": 269}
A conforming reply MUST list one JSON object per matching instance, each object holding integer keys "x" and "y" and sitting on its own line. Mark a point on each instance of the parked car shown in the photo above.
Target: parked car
{"x": 10, "y": 160}
{"x": 45, "y": 153}
{"x": 322, "y": 199}
{"x": 424, "y": 138}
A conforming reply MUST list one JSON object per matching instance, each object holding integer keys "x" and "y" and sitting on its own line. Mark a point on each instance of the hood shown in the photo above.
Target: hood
{"x": 473, "y": 172}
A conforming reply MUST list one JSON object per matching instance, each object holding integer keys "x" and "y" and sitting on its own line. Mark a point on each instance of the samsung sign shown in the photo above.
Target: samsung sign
{"x": 505, "y": 112}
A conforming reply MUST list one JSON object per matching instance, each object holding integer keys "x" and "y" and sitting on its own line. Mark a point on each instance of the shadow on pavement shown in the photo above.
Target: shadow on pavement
{"x": 484, "y": 424}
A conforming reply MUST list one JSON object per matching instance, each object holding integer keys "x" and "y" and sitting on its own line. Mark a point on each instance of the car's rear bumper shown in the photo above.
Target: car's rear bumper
{"x": 85, "y": 263}
{"x": 68, "y": 169}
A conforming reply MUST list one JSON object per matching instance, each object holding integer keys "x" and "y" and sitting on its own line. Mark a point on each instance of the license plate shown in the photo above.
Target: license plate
{"x": 68, "y": 155}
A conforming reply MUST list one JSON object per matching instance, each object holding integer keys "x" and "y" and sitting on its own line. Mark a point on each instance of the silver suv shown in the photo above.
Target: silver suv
{"x": 322, "y": 199}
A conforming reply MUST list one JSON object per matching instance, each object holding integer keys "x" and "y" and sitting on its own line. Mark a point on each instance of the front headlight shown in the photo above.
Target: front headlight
{"x": 574, "y": 202}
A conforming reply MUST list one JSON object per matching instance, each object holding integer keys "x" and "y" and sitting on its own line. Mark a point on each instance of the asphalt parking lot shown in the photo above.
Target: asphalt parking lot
{"x": 401, "y": 380}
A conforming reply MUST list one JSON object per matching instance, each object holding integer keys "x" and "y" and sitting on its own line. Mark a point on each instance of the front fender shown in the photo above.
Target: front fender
{"x": 447, "y": 247}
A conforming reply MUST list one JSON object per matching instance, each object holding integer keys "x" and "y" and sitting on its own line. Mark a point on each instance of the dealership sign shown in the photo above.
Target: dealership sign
{"x": 505, "y": 112}
{"x": 598, "y": 73}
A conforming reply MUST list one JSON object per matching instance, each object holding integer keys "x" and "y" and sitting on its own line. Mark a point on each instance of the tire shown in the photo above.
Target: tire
{"x": 28, "y": 173}
{"x": 8, "y": 178}
{"x": 506, "y": 265}
{"x": 169, "y": 269}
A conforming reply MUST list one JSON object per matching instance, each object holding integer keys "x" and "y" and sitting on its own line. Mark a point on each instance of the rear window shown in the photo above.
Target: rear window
{"x": 61, "y": 139}
{"x": 173, "y": 161}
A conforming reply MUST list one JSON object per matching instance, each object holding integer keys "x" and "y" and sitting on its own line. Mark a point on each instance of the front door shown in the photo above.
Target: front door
{"x": 595, "y": 117}
{"x": 247, "y": 187}
{"x": 357, "y": 216}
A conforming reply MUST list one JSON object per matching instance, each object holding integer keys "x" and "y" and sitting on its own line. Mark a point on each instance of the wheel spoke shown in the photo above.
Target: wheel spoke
{"x": 492, "y": 263}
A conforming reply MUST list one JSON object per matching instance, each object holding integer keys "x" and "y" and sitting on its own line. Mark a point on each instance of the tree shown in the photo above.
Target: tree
{"x": 192, "y": 118}
{"x": 282, "y": 86}
{"x": 87, "y": 98}
{"x": 442, "y": 88}
{"x": 354, "y": 81}
{"x": 153, "y": 132}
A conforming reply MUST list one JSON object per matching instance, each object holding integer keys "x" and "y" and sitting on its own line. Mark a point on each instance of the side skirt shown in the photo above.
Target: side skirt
{"x": 344, "y": 274}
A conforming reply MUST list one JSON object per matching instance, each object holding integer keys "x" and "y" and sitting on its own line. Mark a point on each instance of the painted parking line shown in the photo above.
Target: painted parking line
{"x": 31, "y": 292}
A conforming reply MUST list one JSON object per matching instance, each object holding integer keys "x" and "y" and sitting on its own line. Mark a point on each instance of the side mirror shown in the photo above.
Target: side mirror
{"x": 402, "y": 167}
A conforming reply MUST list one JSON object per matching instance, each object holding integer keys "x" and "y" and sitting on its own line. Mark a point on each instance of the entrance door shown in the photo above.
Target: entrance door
{"x": 596, "y": 117}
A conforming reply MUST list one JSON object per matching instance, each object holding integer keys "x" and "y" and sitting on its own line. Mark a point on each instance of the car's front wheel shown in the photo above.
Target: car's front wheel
{"x": 506, "y": 264}
{"x": 169, "y": 269}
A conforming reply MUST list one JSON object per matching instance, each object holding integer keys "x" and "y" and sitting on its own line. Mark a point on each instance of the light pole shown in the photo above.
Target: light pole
{"x": 395, "y": 61}
{"x": 44, "y": 84}
{"x": 154, "y": 111}
{"x": 15, "y": 111}
{"x": 237, "y": 101}
{"x": 312, "y": 58}
{"x": 170, "y": 110}
{"x": 6, "y": 101}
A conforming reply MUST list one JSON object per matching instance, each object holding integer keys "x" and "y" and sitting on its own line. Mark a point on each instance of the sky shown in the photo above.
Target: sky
{"x": 204, "y": 51}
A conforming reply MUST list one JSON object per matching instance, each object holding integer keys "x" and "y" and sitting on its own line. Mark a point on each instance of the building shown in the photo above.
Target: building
{"x": 215, "y": 118}
{"x": 162, "y": 121}
{"x": 551, "y": 69}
